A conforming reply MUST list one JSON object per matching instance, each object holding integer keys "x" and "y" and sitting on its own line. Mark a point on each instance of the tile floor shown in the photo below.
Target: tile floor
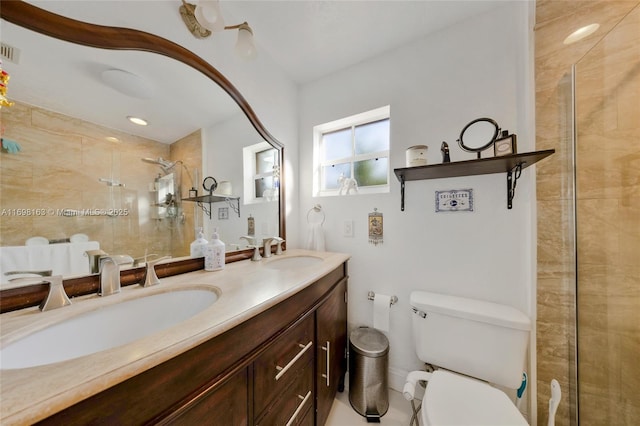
{"x": 342, "y": 414}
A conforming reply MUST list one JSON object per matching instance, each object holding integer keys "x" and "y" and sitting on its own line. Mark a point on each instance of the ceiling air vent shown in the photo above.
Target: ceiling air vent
{"x": 9, "y": 53}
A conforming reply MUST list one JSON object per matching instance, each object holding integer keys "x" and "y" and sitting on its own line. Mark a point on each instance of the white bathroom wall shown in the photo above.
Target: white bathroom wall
{"x": 435, "y": 86}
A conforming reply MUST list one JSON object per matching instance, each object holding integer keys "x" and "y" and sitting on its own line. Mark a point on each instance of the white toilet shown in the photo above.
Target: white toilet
{"x": 471, "y": 343}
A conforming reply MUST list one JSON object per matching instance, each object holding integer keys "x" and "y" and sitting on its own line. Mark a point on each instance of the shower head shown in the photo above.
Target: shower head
{"x": 165, "y": 165}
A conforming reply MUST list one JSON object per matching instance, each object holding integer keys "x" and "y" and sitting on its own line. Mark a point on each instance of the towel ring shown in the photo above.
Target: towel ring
{"x": 318, "y": 209}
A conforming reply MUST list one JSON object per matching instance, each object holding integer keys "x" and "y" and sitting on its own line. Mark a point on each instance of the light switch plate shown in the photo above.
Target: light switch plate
{"x": 348, "y": 229}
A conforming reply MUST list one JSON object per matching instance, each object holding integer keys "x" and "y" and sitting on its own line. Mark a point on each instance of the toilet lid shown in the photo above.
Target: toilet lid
{"x": 452, "y": 399}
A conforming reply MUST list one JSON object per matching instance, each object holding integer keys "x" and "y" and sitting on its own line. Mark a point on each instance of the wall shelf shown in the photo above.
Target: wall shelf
{"x": 234, "y": 202}
{"x": 510, "y": 164}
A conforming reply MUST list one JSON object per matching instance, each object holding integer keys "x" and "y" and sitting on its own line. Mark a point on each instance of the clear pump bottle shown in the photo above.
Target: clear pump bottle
{"x": 198, "y": 246}
{"x": 214, "y": 253}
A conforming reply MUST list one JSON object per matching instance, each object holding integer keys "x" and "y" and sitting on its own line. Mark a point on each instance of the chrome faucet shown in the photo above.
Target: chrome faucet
{"x": 150, "y": 277}
{"x": 110, "y": 273}
{"x": 256, "y": 252}
{"x": 56, "y": 298}
{"x": 279, "y": 241}
{"x": 251, "y": 240}
{"x": 137, "y": 261}
{"x": 266, "y": 245}
{"x": 94, "y": 259}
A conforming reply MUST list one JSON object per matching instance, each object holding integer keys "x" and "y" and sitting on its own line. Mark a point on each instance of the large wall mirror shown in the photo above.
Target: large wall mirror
{"x": 86, "y": 180}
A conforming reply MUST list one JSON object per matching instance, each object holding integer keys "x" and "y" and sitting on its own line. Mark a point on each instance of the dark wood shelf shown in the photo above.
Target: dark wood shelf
{"x": 234, "y": 202}
{"x": 482, "y": 166}
{"x": 211, "y": 198}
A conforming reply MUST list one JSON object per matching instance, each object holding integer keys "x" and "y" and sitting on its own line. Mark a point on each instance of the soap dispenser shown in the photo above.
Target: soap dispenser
{"x": 197, "y": 247}
{"x": 214, "y": 253}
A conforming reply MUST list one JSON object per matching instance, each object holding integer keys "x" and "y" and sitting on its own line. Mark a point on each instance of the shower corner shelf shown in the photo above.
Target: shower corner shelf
{"x": 201, "y": 200}
{"x": 510, "y": 164}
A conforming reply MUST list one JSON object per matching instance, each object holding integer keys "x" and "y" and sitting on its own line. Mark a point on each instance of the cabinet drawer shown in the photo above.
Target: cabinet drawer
{"x": 281, "y": 362}
{"x": 308, "y": 418}
{"x": 295, "y": 403}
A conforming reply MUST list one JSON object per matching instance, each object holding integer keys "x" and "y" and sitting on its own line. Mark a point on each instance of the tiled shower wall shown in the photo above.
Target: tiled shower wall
{"x": 188, "y": 150}
{"x": 607, "y": 205}
{"x": 59, "y": 165}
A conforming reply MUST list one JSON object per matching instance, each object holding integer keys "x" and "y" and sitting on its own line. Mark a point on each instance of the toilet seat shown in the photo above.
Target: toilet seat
{"x": 452, "y": 399}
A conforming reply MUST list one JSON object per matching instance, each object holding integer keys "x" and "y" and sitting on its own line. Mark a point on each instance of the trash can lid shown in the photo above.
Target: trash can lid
{"x": 369, "y": 342}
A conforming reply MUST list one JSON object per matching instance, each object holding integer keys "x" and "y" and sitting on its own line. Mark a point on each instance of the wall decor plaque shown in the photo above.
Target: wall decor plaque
{"x": 454, "y": 200}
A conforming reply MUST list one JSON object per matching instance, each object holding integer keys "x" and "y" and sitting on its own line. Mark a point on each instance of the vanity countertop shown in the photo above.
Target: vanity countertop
{"x": 245, "y": 288}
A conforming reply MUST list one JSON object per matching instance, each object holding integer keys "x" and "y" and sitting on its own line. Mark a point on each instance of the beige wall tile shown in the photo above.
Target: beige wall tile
{"x": 59, "y": 167}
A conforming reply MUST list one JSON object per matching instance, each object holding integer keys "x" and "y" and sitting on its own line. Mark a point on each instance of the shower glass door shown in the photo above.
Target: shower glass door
{"x": 607, "y": 177}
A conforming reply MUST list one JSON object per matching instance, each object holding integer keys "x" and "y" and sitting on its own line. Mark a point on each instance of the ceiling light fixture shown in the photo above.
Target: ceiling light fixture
{"x": 204, "y": 18}
{"x": 137, "y": 120}
{"x": 581, "y": 33}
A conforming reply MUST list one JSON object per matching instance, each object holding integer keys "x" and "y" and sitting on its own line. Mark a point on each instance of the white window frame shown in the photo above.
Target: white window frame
{"x": 377, "y": 114}
{"x": 249, "y": 172}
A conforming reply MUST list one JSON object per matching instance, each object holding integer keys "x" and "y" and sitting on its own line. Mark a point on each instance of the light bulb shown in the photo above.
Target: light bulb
{"x": 244, "y": 46}
{"x": 137, "y": 120}
{"x": 581, "y": 33}
{"x": 209, "y": 16}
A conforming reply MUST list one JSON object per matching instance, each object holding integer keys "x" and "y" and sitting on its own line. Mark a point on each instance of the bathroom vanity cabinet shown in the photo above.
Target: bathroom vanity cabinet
{"x": 282, "y": 366}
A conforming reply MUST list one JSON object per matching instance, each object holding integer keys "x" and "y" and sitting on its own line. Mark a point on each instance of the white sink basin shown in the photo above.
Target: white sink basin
{"x": 105, "y": 328}
{"x": 293, "y": 262}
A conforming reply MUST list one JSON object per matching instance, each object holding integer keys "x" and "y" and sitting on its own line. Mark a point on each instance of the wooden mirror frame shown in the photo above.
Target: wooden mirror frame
{"x": 104, "y": 37}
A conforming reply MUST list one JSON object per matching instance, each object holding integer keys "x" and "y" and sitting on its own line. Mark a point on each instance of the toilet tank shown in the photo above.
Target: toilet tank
{"x": 480, "y": 339}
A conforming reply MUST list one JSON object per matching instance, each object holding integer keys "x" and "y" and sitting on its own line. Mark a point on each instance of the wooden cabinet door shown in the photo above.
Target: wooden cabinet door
{"x": 225, "y": 405}
{"x": 331, "y": 362}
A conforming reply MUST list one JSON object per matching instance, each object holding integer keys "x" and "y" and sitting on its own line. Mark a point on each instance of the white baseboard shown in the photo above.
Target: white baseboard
{"x": 397, "y": 378}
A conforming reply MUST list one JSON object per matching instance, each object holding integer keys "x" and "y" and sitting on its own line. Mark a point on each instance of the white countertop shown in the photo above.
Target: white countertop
{"x": 245, "y": 288}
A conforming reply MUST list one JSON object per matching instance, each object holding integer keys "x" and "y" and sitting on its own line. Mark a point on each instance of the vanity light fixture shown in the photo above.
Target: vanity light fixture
{"x": 581, "y": 33}
{"x": 204, "y": 18}
{"x": 137, "y": 120}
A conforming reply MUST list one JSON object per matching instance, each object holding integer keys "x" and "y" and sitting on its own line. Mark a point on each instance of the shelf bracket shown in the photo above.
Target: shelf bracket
{"x": 512, "y": 178}
{"x": 204, "y": 208}
{"x": 402, "y": 193}
{"x": 236, "y": 207}
{"x": 233, "y": 203}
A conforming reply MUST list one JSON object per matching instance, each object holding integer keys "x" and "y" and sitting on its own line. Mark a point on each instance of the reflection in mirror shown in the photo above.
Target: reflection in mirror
{"x": 478, "y": 135}
{"x": 252, "y": 174}
{"x": 81, "y": 172}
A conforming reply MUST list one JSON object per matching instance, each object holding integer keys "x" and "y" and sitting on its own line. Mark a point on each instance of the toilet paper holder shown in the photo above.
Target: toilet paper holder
{"x": 371, "y": 295}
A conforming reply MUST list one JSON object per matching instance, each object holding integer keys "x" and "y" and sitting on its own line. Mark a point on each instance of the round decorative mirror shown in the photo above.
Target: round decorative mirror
{"x": 479, "y": 135}
{"x": 150, "y": 220}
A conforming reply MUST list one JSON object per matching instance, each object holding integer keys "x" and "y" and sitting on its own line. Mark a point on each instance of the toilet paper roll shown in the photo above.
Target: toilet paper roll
{"x": 381, "y": 308}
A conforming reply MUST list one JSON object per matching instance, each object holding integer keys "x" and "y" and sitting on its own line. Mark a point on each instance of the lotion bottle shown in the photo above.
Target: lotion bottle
{"x": 214, "y": 253}
{"x": 197, "y": 247}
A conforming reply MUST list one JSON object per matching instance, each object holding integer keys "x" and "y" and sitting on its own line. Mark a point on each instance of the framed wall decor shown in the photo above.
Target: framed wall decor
{"x": 223, "y": 213}
{"x": 454, "y": 200}
{"x": 505, "y": 146}
{"x": 376, "y": 226}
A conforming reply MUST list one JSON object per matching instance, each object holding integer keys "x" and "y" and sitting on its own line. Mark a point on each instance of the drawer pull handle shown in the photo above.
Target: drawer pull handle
{"x": 295, "y": 413}
{"x": 282, "y": 370}
{"x": 327, "y": 349}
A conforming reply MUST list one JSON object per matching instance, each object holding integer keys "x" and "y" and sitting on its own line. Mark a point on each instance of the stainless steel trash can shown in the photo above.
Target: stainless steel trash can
{"x": 368, "y": 373}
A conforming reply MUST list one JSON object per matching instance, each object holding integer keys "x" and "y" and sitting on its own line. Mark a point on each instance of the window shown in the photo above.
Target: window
{"x": 355, "y": 147}
{"x": 260, "y": 162}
